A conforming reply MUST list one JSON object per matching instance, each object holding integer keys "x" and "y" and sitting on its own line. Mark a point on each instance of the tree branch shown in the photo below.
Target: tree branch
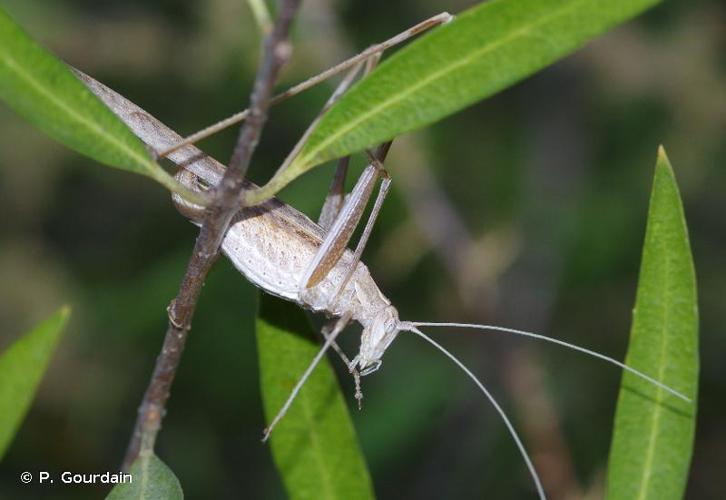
{"x": 226, "y": 198}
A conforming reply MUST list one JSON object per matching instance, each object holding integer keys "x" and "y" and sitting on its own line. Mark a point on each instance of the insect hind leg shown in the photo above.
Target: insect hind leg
{"x": 335, "y": 199}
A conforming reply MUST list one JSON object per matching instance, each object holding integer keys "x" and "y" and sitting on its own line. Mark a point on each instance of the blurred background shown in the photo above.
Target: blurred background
{"x": 526, "y": 210}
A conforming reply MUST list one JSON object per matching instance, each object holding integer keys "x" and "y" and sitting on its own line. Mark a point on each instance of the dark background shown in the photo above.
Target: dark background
{"x": 526, "y": 210}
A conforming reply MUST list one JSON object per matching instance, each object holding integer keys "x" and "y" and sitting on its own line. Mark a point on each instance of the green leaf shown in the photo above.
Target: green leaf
{"x": 21, "y": 368}
{"x": 314, "y": 446}
{"x": 151, "y": 479}
{"x": 484, "y": 50}
{"x": 653, "y": 438}
{"x": 45, "y": 92}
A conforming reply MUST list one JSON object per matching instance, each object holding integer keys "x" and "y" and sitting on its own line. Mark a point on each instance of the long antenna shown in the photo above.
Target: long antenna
{"x": 562, "y": 343}
{"x": 538, "y": 484}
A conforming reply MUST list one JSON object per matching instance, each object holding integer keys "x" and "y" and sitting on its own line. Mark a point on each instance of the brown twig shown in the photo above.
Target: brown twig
{"x": 225, "y": 203}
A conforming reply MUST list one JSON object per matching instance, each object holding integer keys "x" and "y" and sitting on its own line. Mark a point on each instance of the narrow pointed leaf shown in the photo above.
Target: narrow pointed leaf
{"x": 482, "y": 51}
{"x": 653, "y": 438}
{"x": 151, "y": 479}
{"x": 44, "y": 91}
{"x": 314, "y": 447}
{"x": 22, "y": 367}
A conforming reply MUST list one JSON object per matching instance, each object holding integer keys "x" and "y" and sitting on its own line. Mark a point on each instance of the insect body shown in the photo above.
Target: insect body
{"x": 279, "y": 249}
{"x": 273, "y": 244}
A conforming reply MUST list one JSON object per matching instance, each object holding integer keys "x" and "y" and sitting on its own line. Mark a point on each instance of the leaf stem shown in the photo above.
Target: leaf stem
{"x": 225, "y": 199}
{"x": 261, "y": 15}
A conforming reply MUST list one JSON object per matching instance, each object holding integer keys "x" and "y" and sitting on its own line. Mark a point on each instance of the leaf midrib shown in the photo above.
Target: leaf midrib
{"x": 71, "y": 112}
{"x": 522, "y": 31}
{"x": 656, "y": 415}
{"x": 315, "y": 443}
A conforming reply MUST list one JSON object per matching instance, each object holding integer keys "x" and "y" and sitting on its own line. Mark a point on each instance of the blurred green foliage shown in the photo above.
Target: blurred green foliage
{"x": 22, "y": 366}
{"x": 547, "y": 186}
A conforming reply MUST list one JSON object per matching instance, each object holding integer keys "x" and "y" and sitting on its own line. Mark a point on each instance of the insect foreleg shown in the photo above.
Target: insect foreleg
{"x": 329, "y": 340}
{"x": 348, "y": 363}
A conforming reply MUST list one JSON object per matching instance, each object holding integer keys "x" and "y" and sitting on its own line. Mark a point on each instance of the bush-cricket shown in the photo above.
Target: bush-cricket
{"x": 286, "y": 254}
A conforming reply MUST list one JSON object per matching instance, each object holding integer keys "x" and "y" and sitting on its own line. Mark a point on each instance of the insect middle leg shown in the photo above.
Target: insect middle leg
{"x": 326, "y": 331}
